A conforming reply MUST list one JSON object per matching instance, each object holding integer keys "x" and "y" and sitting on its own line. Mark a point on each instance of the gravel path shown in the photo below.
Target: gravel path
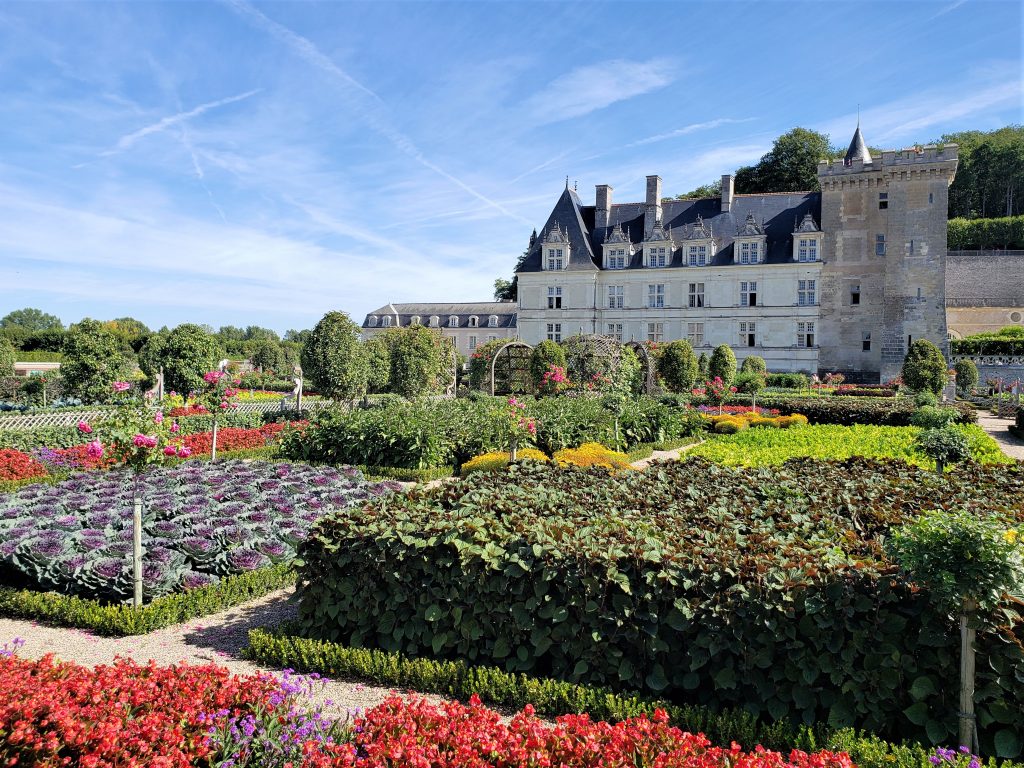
{"x": 997, "y": 428}
{"x": 218, "y": 638}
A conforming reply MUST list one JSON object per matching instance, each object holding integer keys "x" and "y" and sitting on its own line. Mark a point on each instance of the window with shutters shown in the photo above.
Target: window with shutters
{"x": 748, "y": 334}
{"x": 748, "y": 294}
{"x": 805, "y": 335}
{"x": 696, "y": 295}
{"x": 695, "y": 334}
{"x": 655, "y": 332}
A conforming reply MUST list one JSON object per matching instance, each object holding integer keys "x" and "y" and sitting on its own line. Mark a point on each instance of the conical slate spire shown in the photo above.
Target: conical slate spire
{"x": 858, "y": 149}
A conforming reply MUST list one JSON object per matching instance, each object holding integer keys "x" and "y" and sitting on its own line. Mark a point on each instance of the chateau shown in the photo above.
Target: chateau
{"x": 838, "y": 280}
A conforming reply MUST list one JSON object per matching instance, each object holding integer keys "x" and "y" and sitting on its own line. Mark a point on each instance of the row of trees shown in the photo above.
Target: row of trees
{"x": 411, "y": 361}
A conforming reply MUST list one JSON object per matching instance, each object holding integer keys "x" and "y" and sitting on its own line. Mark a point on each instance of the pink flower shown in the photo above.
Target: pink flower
{"x": 84, "y": 428}
{"x": 230, "y": 392}
{"x": 184, "y": 451}
{"x": 175, "y": 428}
{"x": 170, "y": 450}
{"x": 94, "y": 450}
{"x": 212, "y": 377}
{"x": 224, "y": 405}
{"x": 513, "y": 402}
{"x": 144, "y": 441}
{"x": 122, "y": 386}
{"x": 159, "y": 418}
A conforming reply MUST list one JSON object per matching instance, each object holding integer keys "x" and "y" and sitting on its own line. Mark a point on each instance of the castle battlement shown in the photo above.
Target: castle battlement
{"x": 931, "y": 155}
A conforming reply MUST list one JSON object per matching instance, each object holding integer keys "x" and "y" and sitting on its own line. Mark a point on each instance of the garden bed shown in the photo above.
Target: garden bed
{"x": 202, "y": 521}
{"x": 761, "y": 446}
{"x": 758, "y": 588}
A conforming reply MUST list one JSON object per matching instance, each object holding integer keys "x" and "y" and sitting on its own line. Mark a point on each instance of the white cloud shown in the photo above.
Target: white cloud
{"x": 163, "y": 124}
{"x": 688, "y": 129}
{"x": 596, "y": 86}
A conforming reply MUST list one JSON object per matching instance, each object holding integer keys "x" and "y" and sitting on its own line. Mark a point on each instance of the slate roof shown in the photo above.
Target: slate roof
{"x": 403, "y": 313}
{"x": 780, "y": 213}
{"x": 985, "y": 279}
{"x": 858, "y": 148}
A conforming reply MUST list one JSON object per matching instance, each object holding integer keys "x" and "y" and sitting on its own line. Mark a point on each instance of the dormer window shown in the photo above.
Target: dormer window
{"x": 807, "y": 240}
{"x": 750, "y": 252}
{"x": 658, "y": 256}
{"x": 435, "y": 321}
{"x": 453, "y": 321}
{"x": 386, "y": 322}
{"x": 658, "y": 247}
{"x": 617, "y": 250}
{"x": 492, "y": 321}
{"x": 474, "y": 321}
{"x": 749, "y": 246}
{"x": 699, "y": 247}
{"x": 415, "y": 320}
{"x": 372, "y": 321}
{"x": 555, "y": 249}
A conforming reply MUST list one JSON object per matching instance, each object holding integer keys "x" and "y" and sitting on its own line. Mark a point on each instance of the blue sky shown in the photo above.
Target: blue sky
{"x": 263, "y": 163}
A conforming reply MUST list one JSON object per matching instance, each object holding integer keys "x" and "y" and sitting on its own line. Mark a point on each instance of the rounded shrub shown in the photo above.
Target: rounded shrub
{"x": 722, "y": 364}
{"x": 924, "y": 367}
{"x": 966, "y": 376}
{"x": 946, "y": 445}
{"x": 266, "y": 355}
{"x": 730, "y": 426}
{"x": 749, "y": 383}
{"x": 702, "y": 366}
{"x": 931, "y": 417}
{"x": 489, "y": 462}
{"x": 378, "y": 359}
{"x": 188, "y": 354}
{"x": 678, "y": 366}
{"x": 92, "y": 362}
{"x": 754, "y": 364}
{"x": 592, "y": 455}
{"x": 334, "y": 360}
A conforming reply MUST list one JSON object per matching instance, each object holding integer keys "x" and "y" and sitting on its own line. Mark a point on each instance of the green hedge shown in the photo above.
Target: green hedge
{"x": 122, "y": 620}
{"x": 883, "y": 412}
{"x": 38, "y": 356}
{"x": 980, "y": 234}
{"x": 407, "y": 475}
{"x": 761, "y": 589}
{"x": 551, "y": 698}
{"x": 437, "y": 434}
{"x": 987, "y": 345}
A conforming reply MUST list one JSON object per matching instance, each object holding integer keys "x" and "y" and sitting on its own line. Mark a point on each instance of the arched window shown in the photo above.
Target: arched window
{"x": 387, "y": 321}
{"x": 372, "y": 321}
{"x": 492, "y": 321}
{"x": 453, "y": 321}
{"x": 415, "y": 320}
{"x": 474, "y": 321}
{"x": 435, "y": 321}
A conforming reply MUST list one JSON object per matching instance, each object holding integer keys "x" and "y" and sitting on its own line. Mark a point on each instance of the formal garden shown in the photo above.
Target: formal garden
{"x": 609, "y": 554}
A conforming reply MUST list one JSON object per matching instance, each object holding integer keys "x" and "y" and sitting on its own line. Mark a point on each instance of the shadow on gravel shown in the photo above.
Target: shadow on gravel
{"x": 229, "y": 633}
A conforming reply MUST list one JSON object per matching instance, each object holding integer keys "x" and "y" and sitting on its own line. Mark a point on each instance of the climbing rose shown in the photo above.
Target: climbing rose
{"x": 122, "y": 386}
{"x": 94, "y": 449}
{"x": 84, "y": 428}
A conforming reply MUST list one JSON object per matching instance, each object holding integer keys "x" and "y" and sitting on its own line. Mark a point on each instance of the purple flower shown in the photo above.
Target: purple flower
{"x": 108, "y": 568}
{"x": 195, "y": 580}
{"x": 246, "y": 559}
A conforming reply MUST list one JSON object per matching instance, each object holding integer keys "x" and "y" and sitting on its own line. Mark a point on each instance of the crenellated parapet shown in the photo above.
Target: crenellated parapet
{"x": 931, "y": 162}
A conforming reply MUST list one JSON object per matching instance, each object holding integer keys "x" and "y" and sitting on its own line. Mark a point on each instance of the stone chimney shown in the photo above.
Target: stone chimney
{"x": 652, "y": 215}
{"x": 727, "y": 192}
{"x": 603, "y": 209}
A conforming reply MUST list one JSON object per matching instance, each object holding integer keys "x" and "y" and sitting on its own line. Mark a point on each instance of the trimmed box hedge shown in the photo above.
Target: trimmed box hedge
{"x": 763, "y": 589}
{"x": 279, "y": 647}
{"x": 121, "y": 620}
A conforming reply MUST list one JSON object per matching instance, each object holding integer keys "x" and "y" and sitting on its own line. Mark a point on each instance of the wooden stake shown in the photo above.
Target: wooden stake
{"x": 137, "y": 547}
{"x": 966, "y": 716}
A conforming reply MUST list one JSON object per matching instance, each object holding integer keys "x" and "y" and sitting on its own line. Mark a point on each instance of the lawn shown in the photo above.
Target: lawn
{"x": 762, "y": 447}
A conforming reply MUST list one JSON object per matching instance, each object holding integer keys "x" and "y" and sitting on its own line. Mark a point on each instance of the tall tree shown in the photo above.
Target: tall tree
{"x": 32, "y": 320}
{"x": 790, "y": 166}
{"x": 990, "y": 175}
{"x": 333, "y": 358}
{"x": 93, "y": 361}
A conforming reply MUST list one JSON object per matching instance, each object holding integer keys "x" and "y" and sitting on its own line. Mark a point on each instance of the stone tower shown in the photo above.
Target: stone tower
{"x": 883, "y": 280}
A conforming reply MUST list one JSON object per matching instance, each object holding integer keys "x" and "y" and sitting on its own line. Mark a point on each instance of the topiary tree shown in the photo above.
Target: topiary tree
{"x": 722, "y": 364}
{"x": 703, "y": 363}
{"x": 754, "y": 364}
{"x": 334, "y": 360}
{"x": 946, "y": 445}
{"x": 420, "y": 360}
{"x": 924, "y": 367}
{"x": 677, "y": 366}
{"x": 966, "y": 376}
{"x": 378, "y": 360}
{"x": 546, "y": 354}
{"x": 6, "y": 357}
{"x": 92, "y": 362}
{"x": 265, "y": 354}
{"x": 189, "y": 353}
